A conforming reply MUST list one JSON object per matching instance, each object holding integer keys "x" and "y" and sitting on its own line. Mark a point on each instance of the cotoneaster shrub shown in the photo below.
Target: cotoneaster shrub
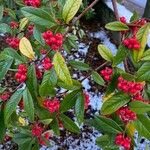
{"x": 37, "y": 34}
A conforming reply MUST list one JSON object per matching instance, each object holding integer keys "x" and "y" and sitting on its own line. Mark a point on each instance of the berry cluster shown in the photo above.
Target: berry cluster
{"x": 106, "y": 73}
{"x": 138, "y": 97}
{"x": 125, "y": 142}
{"x": 5, "y": 96}
{"x": 52, "y": 105}
{"x": 86, "y": 100}
{"x": 54, "y": 41}
{"x": 13, "y": 42}
{"x": 129, "y": 86}
{"x": 126, "y": 114}
{"x": 42, "y": 142}
{"x": 132, "y": 43}
{"x": 47, "y": 64}
{"x": 141, "y": 22}
{"x": 21, "y": 75}
{"x": 14, "y": 25}
{"x": 34, "y": 3}
{"x": 37, "y": 132}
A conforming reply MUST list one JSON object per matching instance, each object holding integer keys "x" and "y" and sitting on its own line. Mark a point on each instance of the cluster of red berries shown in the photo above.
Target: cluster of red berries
{"x": 126, "y": 115}
{"x": 141, "y": 22}
{"x": 21, "y": 75}
{"x": 52, "y": 105}
{"x": 14, "y": 24}
{"x": 54, "y": 41}
{"x": 125, "y": 142}
{"x": 106, "y": 73}
{"x": 5, "y": 96}
{"x": 37, "y": 131}
{"x": 132, "y": 43}
{"x": 129, "y": 86}
{"x": 34, "y": 3}
{"x": 13, "y": 42}
{"x": 47, "y": 64}
{"x": 138, "y": 97}
{"x": 86, "y": 100}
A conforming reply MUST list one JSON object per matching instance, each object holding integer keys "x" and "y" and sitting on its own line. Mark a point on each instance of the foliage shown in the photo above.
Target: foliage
{"x": 38, "y": 34}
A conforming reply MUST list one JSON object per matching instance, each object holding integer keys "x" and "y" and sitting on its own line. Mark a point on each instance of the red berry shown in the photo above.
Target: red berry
{"x": 34, "y": 3}
{"x": 106, "y": 73}
{"x": 86, "y": 100}
{"x": 123, "y": 19}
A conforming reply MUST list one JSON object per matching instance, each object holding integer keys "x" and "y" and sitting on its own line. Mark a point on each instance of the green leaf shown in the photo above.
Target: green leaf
{"x": 116, "y": 26}
{"x": 23, "y": 23}
{"x": 69, "y": 101}
{"x": 55, "y": 126}
{"x": 1, "y": 11}
{"x": 2, "y": 90}
{"x": 120, "y": 56}
{"x": 134, "y": 17}
{"x": 12, "y": 54}
{"x": 97, "y": 78}
{"x": 143, "y": 74}
{"x": 38, "y": 36}
{"x": 4, "y": 28}
{"x": 76, "y": 85}
{"x": 70, "y": 9}
{"x": 32, "y": 80}
{"x": 11, "y": 105}
{"x": 114, "y": 103}
{"x": 142, "y": 36}
{"x": 38, "y": 16}
{"x": 142, "y": 125}
{"x": 28, "y": 104}
{"x": 21, "y": 138}
{"x": 105, "y": 52}
{"x": 46, "y": 87}
{"x": 61, "y": 69}
{"x": 79, "y": 65}
{"x": 105, "y": 125}
{"x": 139, "y": 107}
{"x": 5, "y": 64}
{"x": 2, "y": 126}
{"x": 69, "y": 124}
{"x": 79, "y": 108}
{"x": 106, "y": 143}
{"x": 146, "y": 55}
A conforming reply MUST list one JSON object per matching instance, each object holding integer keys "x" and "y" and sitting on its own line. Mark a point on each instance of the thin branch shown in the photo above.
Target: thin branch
{"x": 85, "y": 11}
{"x": 114, "y": 3}
{"x": 98, "y": 68}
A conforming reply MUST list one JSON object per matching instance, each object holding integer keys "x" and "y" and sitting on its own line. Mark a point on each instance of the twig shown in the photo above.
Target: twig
{"x": 85, "y": 11}
{"x": 114, "y": 3}
{"x": 99, "y": 67}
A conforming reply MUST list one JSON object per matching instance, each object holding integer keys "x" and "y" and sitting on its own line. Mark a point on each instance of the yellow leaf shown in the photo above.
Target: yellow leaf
{"x": 26, "y": 48}
{"x": 22, "y": 121}
{"x": 130, "y": 129}
{"x": 105, "y": 98}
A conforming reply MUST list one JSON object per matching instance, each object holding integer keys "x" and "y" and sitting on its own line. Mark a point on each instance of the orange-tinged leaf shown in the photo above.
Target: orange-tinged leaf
{"x": 26, "y": 48}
